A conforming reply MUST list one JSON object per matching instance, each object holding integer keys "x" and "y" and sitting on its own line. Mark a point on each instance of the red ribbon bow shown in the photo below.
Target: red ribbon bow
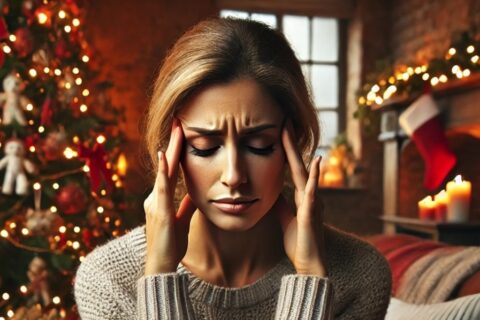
{"x": 99, "y": 172}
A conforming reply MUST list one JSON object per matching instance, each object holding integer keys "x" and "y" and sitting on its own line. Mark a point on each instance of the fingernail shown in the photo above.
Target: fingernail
{"x": 160, "y": 155}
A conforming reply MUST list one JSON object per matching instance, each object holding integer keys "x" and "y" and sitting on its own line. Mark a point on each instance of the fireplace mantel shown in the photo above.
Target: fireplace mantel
{"x": 459, "y": 101}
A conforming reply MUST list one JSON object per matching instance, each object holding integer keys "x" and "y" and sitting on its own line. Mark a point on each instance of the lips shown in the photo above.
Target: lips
{"x": 231, "y": 205}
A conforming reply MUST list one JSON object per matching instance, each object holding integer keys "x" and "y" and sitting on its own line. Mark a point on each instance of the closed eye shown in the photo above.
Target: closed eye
{"x": 208, "y": 152}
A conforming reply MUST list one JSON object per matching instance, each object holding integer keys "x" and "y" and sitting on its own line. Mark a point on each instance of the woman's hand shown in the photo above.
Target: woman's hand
{"x": 167, "y": 231}
{"x": 303, "y": 232}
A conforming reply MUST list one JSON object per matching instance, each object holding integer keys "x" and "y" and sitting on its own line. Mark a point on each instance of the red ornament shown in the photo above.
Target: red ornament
{"x": 61, "y": 50}
{"x": 3, "y": 28}
{"x": 71, "y": 199}
{"x": 24, "y": 42}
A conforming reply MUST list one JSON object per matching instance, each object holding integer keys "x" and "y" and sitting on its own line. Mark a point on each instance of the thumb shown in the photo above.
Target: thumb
{"x": 284, "y": 211}
{"x": 185, "y": 210}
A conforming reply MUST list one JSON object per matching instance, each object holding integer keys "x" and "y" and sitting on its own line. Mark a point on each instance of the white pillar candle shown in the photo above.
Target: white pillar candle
{"x": 459, "y": 195}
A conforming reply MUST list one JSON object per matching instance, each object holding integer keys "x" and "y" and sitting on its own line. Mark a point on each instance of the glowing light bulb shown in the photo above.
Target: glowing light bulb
{"x": 58, "y": 72}
{"x": 85, "y": 58}
{"x": 76, "y": 229}
{"x": 25, "y": 231}
{"x": 62, "y": 229}
{"x": 41, "y": 129}
{"x": 5, "y": 296}
{"x": 56, "y": 300}
{"x": 452, "y": 51}
{"x": 62, "y": 14}
{"x": 7, "y": 49}
{"x": 67, "y": 29}
{"x": 37, "y": 186}
{"x": 470, "y": 49}
{"x": 42, "y": 18}
{"x": 32, "y": 149}
{"x": 4, "y": 233}
{"x": 83, "y": 108}
{"x": 78, "y": 81}
{"x": 76, "y": 22}
{"x": 32, "y": 73}
{"x": 85, "y": 92}
{"x": 101, "y": 139}
{"x": 100, "y": 209}
{"x": 12, "y": 38}
{"x": 23, "y": 289}
{"x": 76, "y": 70}
{"x": 56, "y": 186}
{"x": 53, "y": 209}
{"x": 86, "y": 168}
{"x": 76, "y": 245}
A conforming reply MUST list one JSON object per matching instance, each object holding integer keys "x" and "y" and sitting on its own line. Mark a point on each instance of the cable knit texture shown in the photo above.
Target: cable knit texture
{"x": 110, "y": 285}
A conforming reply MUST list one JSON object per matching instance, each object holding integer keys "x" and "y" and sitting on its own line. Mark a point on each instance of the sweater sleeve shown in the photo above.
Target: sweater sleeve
{"x": 305, "y": 297}
{"x": 163, "y": 296}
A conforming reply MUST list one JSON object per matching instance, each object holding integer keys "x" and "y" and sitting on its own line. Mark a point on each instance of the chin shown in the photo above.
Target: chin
{"x": 232, "y": 223}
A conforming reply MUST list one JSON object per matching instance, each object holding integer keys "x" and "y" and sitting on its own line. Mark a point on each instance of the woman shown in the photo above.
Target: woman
{"x": 233, "y": 111}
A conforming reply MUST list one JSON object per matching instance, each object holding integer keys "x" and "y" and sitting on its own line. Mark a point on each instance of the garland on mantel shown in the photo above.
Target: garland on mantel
{"x": 460, "y": 61}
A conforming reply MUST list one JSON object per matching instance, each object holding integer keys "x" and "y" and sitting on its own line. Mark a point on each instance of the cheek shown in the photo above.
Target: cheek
{"x": 198, "y": 174}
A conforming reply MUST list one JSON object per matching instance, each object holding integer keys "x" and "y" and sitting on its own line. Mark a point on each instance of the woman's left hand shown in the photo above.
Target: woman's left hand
{"x": 303, "y": 232}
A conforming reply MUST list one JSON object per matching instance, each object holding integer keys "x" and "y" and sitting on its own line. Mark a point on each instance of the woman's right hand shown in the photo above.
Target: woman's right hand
{"x": 167, "y": 230}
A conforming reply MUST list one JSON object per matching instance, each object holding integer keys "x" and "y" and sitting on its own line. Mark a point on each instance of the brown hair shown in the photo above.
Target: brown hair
{"x": 221, "y": 50}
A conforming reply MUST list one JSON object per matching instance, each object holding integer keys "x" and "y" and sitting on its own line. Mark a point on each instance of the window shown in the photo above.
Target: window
{"x": 316, "y": 42}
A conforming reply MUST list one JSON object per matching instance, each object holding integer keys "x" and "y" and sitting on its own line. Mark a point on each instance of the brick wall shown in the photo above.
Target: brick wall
{"x": 132, "y": 38}
{"x": 423, "y": 29}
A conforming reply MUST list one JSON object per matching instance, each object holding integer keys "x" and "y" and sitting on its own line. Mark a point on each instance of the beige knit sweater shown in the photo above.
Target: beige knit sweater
{"x": 110, "y": 285}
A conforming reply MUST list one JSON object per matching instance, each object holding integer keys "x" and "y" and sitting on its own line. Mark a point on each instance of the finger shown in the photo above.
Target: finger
{"x": 174, "y": 149}
{"x": 163, "y": 201}
{"x": 307, "y": 211}
{"x": 185, "y": 210}
{"x": 299, "y": 173}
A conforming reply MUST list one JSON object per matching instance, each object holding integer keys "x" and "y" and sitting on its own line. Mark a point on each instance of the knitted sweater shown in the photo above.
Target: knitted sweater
{"x": 110, "y": 285}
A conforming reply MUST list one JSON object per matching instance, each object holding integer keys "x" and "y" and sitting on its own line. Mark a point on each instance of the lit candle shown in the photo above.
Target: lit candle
{"x": 122, "y": 165}
{"x": 426, "y": 208}
{"x": 458, "y": 206}
{"x": 441, "y": 200}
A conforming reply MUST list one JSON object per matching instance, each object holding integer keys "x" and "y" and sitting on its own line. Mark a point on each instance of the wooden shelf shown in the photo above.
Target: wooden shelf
{"x": 452, "y": 87}
{"x": 465, "y": 233}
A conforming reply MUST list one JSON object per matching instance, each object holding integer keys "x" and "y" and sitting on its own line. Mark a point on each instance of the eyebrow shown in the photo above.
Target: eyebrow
{"x": 247, "y": 131}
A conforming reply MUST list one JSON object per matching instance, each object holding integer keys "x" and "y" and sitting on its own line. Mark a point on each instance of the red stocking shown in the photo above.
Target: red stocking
{"x": 421, "y": 121}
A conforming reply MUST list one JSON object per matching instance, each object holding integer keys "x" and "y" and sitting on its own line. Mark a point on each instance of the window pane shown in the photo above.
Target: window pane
{"x": 297, "y": 31}
{"x": 234, "y": 14}
{"x": 268, "y": 19}
{"x": 306, "y": 69}
{"x": 325, "y": 39}
{"x": 328, "y": 121}
{"x": 325, "y": 86}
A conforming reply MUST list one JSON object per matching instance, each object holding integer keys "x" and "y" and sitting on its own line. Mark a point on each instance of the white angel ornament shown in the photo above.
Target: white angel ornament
{"x": 15, "y": 165}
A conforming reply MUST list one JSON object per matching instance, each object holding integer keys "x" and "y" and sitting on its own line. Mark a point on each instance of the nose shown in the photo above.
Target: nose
{"x": 234, "y": 172}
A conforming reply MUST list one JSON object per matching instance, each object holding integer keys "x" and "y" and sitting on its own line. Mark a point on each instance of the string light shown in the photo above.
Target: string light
{"x": 23, "y": 289}
{"x": 29, "y": 107}
{"x": 474, "y": 59}
{"x": 452, "y": 51}
{"x": 32, "y": 149}
{"x": 42, "y": 18}
{"x": 76, "y": 22}
{"x": 466, "y": 72}
{"x": 85, "y": 58}
{"x": 13, "y": 225}
{"x": 470, "y": 49}
{"x": 58, "y": 72}
{"x": 76, "y": 70}
{"x": 67, "y": 29}
{"x": 56, "y": 300}
{"x": 7, "y": 49}
{"x": 55, "y": 186}
{"x": 53, "y": 209}
{"x": 100, "y": 209}
{"x": 85, "y": 92}
{"x": 83, "y": 108}
{"x": 37, "y": 186}
{"x": 12, "y": 38}
{"x": 78, "y": 81}
{"x": 4, "y": 233}
{"x": 69, "y": 153}
{"x": 443, "y": 78}
{"x": 86, "y": 168}
{"x": 10, "y": 313}
{"x": 76, "y": 229}
{"x": 101, "y": 139}
{"x": 62, "y": 229}
{"x": 25, "y": 231}
{"x": 434, "y": 81}
{"x": 5, "y": 296}
{"x": 425, "y": 76}
{"x": 103, "y": 192}
{"x": 62, "y": 14}
{"x": 32, "y": 73}
{"x": 76, "y": 245}
{"x": 41, "y": 129}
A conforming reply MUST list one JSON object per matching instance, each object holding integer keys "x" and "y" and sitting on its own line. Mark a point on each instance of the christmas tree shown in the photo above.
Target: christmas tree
{"x": 61, "y": 163}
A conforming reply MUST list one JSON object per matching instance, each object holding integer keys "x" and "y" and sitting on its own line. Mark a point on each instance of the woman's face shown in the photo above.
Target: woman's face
{"x": 233, "y": 158}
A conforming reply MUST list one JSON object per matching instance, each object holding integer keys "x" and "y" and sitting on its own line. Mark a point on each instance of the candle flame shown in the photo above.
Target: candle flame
{"x": 458, "y": 179}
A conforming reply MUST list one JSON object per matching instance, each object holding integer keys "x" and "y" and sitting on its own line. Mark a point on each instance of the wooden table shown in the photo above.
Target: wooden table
{"x": 467, "y": 233}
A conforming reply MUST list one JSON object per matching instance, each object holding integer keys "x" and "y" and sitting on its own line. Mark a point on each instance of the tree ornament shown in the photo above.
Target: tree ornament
{"x": 47, "y": 112}
{"x": 38, "y": 276}
{"x": 71, "y": 199}
{"x": 24, "y": 42}
{"x": 44, "y": 16}
{"x": 41, "y": 222}
{"x": 54, "y": 145}
{"x": 42, "y": 57}
{"x": 28, "y": 9}
{"x": 67, "y": 89}
{"x": 422, "y": 123}
{"x": 96, "y": 161}
{"x": 15, "y": 166}
{"x": 13, "y": 102}
{"x": 61, "y": 49}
